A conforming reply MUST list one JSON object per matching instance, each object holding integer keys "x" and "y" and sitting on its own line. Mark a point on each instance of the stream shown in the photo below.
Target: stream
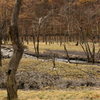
{"x": 7, "y": 53}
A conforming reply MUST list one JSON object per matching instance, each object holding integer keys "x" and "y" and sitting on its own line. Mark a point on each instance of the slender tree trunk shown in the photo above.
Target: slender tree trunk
{"x": 37, "y": 47}
{"x": 17, "y": 54}
{"x": 0, "y": 48}
{"x": 0, "y": 53}
{"x": 1, "y": 43}
{"x": 67, "y": 55}
{"x": 93, "y": 53}
{"x": 33, "y": 37}
{"x": 46, "y": 39}
{"x": 85, "y": 51}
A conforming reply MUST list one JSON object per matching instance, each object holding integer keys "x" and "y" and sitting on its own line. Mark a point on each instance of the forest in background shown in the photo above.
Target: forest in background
{"x": 54, "y": 20}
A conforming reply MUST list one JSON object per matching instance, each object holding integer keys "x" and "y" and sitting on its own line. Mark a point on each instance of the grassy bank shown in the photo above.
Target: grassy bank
{"x": 70, "y": 71}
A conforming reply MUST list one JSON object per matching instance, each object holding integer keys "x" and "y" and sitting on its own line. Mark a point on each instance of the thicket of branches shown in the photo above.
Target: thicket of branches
{"x": 64, "y": 23}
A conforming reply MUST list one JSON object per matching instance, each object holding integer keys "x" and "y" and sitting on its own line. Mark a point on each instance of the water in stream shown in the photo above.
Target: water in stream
{"x": 7, "y": 53}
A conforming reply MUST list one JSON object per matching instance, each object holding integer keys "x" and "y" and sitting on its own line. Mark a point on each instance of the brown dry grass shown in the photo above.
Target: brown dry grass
{"x": 64, "y": 69}
{"x": 70, "y": 46}
{"x": 55, "y": 95}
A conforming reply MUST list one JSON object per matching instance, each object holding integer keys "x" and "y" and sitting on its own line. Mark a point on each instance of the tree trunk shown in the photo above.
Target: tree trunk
{"x": 67, "y": 55}
{"x": 0, "y": 55}
{"x": 11, "y": 71}
{"x": 17, "y": 54}
{"x": 0, "y": 48}
{"x": 33, "y": 37}
{"x": 37, "y": 47}
{"x": 1, "y": 43}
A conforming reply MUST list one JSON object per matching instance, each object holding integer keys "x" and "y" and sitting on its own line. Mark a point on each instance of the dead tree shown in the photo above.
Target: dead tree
{"x": 17, "y": 54}
{"x": 41, "y": 21}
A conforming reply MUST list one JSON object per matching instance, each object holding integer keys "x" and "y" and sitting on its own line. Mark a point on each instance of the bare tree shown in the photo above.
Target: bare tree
{"x": 1, "y": 42}
{"x": 33, "y": 36}
{"x": 67, "y": 55}
{"x": 17, "y": 54}
{"x": 0, "y": 47}
{"x": 40, "y": 22}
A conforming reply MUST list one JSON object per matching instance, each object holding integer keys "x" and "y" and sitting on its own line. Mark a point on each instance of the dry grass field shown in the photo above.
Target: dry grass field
{"x": 70, "y": 46}
{"x": 55, "y": 95}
